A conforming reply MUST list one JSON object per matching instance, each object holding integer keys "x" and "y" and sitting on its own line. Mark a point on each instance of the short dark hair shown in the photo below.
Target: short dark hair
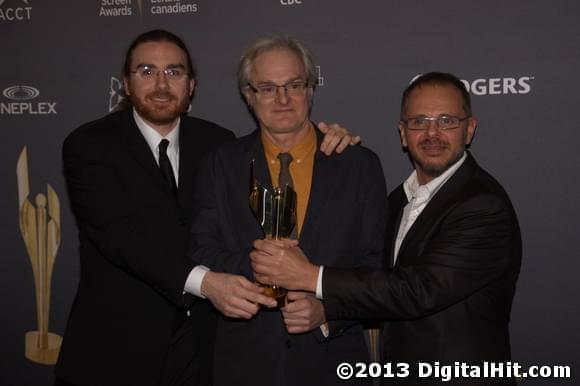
{"x": 437, "y": 78}
{"x": 158, "y": 35}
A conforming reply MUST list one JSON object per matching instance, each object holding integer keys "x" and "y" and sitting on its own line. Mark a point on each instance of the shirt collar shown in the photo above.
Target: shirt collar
{"x": 428, "y": 190}
{"x": 153, "y": 137}
{"x": 299, "y": 152}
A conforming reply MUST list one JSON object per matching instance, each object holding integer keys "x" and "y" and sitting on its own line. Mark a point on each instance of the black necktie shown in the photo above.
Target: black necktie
{"x": 165, "y": 166}
{"x": 284, "y": 178}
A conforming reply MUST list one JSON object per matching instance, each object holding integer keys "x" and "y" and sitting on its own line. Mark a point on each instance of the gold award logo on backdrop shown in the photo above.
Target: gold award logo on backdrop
{"x": 40, "y": 229}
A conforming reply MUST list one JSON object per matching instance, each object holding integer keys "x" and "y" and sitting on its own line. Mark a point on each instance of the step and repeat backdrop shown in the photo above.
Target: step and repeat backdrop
{"x": 60, "y": 67}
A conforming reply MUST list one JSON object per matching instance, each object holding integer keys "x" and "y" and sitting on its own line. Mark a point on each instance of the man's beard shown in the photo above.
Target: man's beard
{"x": 159, "y": 116}
{"x": 434, "y": 170}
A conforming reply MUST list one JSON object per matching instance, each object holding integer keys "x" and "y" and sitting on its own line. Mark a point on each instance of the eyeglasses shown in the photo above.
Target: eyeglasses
{"x": 149, "y": 73}
{"x": 443, "y": 122}
{"x": 269, "y": 90}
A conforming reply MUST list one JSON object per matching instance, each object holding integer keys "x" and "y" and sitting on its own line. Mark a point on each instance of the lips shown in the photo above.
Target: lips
{"x": 433, "y": 147}
{"x": 161, "y": 98}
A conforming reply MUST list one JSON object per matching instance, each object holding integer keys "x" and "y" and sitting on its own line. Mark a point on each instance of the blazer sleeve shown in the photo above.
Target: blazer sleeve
{"x": 144, "y": 240}
{"x": 370, "y": 237}
{"x": 477, "y": 243}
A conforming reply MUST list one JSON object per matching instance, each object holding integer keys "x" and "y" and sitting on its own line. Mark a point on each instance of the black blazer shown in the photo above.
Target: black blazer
{"x": 450, "y": 294}
{"x": 344, "y": 226}
{"x": 129, "y": 311}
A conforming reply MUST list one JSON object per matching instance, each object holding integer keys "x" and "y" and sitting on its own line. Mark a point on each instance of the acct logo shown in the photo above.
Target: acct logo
{"x": 19, "y": 13}
{"x": 116, "y": 94}
{"x": 20, "y": 102}
{"x": 154, "y": 7}
{"x": 497, "y": 86}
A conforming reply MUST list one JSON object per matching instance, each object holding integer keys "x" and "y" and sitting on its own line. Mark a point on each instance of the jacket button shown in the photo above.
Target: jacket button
{"x": 288, "y": 343}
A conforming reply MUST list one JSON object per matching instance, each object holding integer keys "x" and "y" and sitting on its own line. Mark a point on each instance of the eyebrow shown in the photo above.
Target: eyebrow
{"x": 269, "y": 82}
{"x": 154, "y": 66}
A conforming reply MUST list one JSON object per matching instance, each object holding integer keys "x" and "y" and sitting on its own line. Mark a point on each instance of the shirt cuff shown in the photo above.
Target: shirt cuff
{"x": 194, "y": 279}
{"x": 319, "y": 284}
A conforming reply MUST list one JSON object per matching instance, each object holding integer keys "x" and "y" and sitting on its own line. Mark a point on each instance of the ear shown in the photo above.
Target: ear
{"x": 471, "y": 126}
{"x": 126, "y": 86}
{"x": 403, "y": 135}
{"x": 249, "y": 97}
{"x": 191, "y": 86}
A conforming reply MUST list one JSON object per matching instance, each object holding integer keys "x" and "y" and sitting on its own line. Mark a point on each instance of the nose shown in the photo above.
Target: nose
{"x": 433, "y": 128}
{"x": 161, "y": 80}
{"x": 281, "y": 95}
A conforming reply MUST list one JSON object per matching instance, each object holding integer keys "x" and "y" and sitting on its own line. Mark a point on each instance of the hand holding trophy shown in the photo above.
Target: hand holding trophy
{"x": 276, "y": 214}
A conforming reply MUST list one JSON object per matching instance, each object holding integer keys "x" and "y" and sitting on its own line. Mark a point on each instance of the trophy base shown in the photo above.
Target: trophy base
{"x": 277, "y": 293}
{"x": 43, "y": 355}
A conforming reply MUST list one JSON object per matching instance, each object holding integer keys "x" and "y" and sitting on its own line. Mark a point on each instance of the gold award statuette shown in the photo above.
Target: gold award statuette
{"x": 276, "y": 214}
{"x": 40, "y": 229}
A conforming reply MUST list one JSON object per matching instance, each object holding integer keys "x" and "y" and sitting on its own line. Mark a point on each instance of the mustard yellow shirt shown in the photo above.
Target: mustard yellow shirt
{"x": 301, "y": 169}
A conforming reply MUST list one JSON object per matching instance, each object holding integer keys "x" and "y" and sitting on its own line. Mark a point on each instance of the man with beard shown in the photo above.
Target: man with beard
{"x": 135, "y": 319}
{"x": 454, "y": 252}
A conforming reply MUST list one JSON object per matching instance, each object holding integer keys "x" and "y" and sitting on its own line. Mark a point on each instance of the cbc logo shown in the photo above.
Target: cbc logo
{"x": 291, "y": 2}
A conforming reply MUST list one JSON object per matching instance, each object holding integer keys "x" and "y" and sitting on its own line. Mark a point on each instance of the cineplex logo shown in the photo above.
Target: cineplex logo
{"x": 15, "y": 13}
{"x": 22, "y": 102}
{"x": 115, "y": 8}
{"x": 497, "y": 86}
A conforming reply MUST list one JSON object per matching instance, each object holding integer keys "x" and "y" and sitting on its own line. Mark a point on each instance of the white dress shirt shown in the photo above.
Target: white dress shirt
{"x": 418, "y": 197}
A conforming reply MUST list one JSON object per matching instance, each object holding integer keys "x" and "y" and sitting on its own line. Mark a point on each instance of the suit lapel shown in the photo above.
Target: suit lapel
{"x": 442, "y": 200}
{"x": 397, "y": 202}
{"x": 187, "y": 155}
{"x": 324, "y": 179}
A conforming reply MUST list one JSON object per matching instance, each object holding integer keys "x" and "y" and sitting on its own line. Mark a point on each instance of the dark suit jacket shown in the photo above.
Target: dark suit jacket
{"x": 450, "y": 294}
{"x": 129, "y": 313}
{"x": 344, "y": 226}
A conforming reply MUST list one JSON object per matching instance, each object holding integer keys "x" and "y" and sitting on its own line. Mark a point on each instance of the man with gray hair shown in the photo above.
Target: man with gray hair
{"x": 344, "y": 193}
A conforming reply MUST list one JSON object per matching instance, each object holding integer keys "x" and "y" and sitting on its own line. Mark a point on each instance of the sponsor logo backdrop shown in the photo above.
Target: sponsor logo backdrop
{"x": 60, "y": 67}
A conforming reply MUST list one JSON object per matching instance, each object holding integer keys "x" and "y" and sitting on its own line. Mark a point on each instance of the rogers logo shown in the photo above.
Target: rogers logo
{"x": 496, "y": 86}
{"x": 499, "y": 86}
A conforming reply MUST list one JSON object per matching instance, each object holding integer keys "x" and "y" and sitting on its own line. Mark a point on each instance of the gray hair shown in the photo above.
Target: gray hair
{"x": 269, "y": 43}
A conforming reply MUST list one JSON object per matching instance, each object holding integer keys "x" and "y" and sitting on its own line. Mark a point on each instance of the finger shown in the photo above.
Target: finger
{"x": 240, "y": 308}
{"x": 343, "y": 144}
{"x": 323, "y": 127}
{"x": 260, "y": 258}
{"x": 333, "y": 143}
{"x": 264, "y": 279}
{"x": 268, "y": 246}
{"x": 355, "y": 140}
{"x": 296, "y": 295}
{"x": 297, "y": 329}
{"x": 290, "y": 243}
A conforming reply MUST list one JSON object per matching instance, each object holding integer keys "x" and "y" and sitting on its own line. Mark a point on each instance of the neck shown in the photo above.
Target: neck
{"x": 286, "y": 141}
{"x": 163, "y": 129}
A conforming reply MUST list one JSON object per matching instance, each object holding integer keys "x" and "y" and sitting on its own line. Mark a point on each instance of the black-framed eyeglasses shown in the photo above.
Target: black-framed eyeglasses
{"x": 150, "y": 72}
{"x": 269, "y": 90}
{"x": 443, "y": 122}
